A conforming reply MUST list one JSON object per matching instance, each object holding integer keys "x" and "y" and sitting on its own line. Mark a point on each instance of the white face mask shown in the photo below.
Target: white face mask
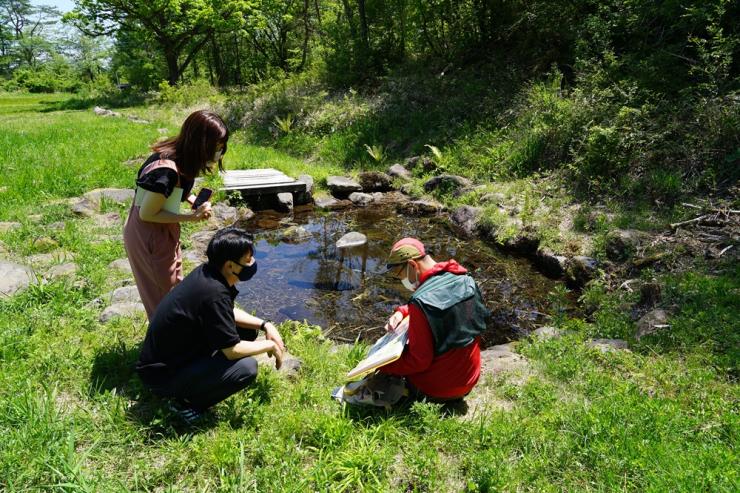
{"x": 411, "y": 286}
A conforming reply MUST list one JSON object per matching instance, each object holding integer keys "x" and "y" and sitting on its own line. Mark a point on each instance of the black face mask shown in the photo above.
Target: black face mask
{"x": 247, "y": 272}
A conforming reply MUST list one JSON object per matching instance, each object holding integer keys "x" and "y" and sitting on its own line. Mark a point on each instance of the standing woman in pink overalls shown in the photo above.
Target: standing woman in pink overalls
{"x": 151, "y": 234}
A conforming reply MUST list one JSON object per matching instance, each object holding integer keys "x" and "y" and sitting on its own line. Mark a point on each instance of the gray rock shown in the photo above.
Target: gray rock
{"x": 360, "y": 198}
{"x": 352, "y": 239}
{"x": 62, "y": 270}
{"x": 295, "y": 234}
{"x": 607, "y": 345}
{"x": 447, "y": 183}
{"x": 291, "y": 365}
{"x": 124, "y": 294}
{"x": 121, "y": 310}
{"x": 223, "y": 215}
{"x": 651, "y": 322}
{"x": 331, "y": 204}
{"x": 622, "y": 244}
{"x": 6, "y": 226}
{"x": 399, "y": 171}
{"x": 466, "y": 219}
{"x": 375, "y": 181}
{"x": 303, "y": 198}
{"x": 580, "y": 270}
{"x": 120, "y": 196}
{"x": 495, "y": 197}
{"x": 36, "y": 218}
{"x": 136, "y": 119}
{"x": 420, "y": 208}
{"x": 121, "y": 265}
{"x": 550, "y": 263}
{"x": 14, "y": 277}
{"x": 199, "y": 243}
{"x": 341, "y": 186}
{"x": 412, "y": 162}
{"x": 84, "y": 208}
{"x": 4, "y": 252}
{"x": 285, "y": 202}
{"x": 544, "y": 333}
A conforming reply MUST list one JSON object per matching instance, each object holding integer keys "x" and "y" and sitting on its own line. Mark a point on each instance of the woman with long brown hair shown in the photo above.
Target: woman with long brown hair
{"x": 151, "y": 234}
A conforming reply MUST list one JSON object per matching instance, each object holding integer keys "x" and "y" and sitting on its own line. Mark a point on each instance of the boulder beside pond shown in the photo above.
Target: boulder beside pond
{"x": 375, "y": 181}
{"x": 341, "y": 186}
{"x": 360, "y": 198}
{"x": 447, "y": 183}
{"x": 466, "y": 219}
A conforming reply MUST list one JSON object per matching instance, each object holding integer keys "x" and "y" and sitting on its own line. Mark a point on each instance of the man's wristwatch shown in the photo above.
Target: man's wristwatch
{"x": 265, "y": 322}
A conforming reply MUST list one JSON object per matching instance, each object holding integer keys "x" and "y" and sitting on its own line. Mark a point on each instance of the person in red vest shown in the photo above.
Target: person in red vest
{"x": 446, "y": 313}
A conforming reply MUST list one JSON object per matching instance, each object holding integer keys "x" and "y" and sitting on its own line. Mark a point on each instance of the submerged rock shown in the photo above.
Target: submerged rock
{"x": 331, "y": 204}
{"x": 295, "y": 234}
{"x": 351, "y": 240}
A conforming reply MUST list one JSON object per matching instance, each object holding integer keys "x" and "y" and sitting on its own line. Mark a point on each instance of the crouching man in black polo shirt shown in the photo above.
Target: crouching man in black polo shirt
{"x": 198, "y": 346}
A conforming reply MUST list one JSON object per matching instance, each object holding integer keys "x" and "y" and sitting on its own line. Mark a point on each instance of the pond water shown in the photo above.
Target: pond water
{"x": 302, "y": 276}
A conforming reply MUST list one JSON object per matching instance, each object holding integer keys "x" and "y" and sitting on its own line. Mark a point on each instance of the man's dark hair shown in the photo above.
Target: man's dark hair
{"x": 228, "y": 244}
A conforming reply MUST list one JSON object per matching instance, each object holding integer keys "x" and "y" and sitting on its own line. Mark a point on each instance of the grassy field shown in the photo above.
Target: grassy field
{"x": 74, "y": 416}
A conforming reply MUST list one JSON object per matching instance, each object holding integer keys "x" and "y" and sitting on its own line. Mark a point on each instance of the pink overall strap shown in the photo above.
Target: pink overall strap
{"x": 161, "y": 163}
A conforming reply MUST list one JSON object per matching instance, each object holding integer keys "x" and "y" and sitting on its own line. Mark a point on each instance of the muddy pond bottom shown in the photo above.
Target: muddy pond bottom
{"x": 302, "y": 276}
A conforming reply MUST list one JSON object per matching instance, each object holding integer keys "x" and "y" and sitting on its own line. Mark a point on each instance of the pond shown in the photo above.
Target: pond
{"x": 302, "y": 275}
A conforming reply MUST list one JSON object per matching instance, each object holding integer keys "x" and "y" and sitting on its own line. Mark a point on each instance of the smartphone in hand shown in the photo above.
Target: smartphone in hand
{"x": 203, "y": 196}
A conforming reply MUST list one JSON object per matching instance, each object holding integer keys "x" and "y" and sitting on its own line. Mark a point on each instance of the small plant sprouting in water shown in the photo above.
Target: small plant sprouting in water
{"x": 377, "y": 152}
{"x": 285, "y": 125}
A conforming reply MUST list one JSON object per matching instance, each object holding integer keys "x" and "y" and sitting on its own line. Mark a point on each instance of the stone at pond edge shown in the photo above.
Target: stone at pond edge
{"x": 331, "y": 204}
{"x": 360, "y": 198}
{"x": 122, "y": 265}
{"x": 580, "y": 270}
{"x": 14, "y": 277}
{"x": 303, "y": 198}
{"x": 651, "y": 322}
{"x": 420, "y": 208}
{"x": 501, "y": 358}
{"x": 285, "y": 202}
{"x": 342, "y": 186}
{"x": 46, "y": 259}
{"x": 398, "y": 171}
{"x": 446, "y": 183}
{"x": 551, "y": 264}
{"x": 375, "y": 181}
{"x": 121, "y": 310}
{"x": 199, "y": 242}
{"x": 466, "y": 218}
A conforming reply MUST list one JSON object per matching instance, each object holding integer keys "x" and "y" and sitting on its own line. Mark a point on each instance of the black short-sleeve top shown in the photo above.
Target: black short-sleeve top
{"x": 195, "y": 319}
{"x": 163, "y": 179}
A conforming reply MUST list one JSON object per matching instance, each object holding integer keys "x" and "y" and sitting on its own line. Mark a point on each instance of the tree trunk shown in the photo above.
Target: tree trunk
{"x": 173, "y": 68}
{"x": 363, "y": 27}
{"x": 306, "y": 34}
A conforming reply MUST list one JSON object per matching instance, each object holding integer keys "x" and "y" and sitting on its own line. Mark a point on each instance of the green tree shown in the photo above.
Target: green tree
{"x": 180, "y": 28}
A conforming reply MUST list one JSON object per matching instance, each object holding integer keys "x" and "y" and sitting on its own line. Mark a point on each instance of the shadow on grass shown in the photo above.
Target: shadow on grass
{"x": 113, "y": 371}
{"x": 403, "y": 411}
{"x": 124, "y": 99}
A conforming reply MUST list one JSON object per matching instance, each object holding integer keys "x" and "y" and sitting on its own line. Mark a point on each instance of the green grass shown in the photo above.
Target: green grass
{"x": 74, "y": 416}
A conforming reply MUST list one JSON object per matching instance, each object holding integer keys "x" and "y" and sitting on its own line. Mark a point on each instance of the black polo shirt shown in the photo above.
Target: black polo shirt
{"x": 195, "y": 319}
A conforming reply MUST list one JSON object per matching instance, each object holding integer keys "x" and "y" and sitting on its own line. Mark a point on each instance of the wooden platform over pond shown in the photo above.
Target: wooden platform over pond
{"x": 260, "y": 182}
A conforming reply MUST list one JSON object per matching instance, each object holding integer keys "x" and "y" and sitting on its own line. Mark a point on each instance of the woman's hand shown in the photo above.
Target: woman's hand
{"x": 203, "y": 212}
